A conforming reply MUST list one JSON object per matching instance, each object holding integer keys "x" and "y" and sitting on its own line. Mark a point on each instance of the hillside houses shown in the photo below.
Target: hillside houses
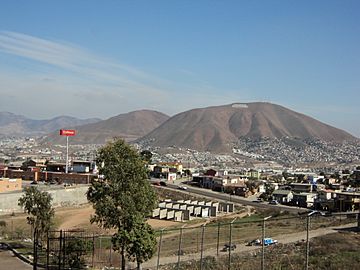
{"x": 332, "y": 197}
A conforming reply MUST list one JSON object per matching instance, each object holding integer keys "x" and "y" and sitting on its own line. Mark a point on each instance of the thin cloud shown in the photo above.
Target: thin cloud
{"x": 75, "y": 59}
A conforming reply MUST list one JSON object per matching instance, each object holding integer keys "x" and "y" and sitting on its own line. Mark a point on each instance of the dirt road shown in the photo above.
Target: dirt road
{"x": 285, "y": 239}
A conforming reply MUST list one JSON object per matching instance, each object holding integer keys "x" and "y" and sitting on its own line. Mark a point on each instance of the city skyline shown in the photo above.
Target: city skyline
{"x": 100, "y": 60}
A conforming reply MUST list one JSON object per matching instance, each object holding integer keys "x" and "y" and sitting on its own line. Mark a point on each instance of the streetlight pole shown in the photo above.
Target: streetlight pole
{"x": 67, "y": 133}
{"x": 263, "y": 243}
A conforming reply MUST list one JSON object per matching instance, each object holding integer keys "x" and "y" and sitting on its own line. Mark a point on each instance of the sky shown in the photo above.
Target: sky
{"x": 103, "y": 58}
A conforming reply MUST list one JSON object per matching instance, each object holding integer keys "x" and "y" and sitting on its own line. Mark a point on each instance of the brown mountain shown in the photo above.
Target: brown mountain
{"x": 19, "y": 125}
{"x": 129, "y": 126}
{"x": 217, "y": 128}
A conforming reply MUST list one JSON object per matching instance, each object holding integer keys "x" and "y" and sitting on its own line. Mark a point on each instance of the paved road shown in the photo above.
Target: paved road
{"x": 237, "y": 199}
{"x": 8, "y": 261}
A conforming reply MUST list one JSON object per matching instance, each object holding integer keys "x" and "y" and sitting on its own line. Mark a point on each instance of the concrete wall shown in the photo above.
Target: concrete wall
{"x": 156, "y": 212}
{"x": 170, "y": 214}
{"x": 75, "y": 178}
{"x": 7, "y": 184}
{"x": 163, "y": 213}
{"x": 73, "y": 196}
{"x": 178, "y": 216}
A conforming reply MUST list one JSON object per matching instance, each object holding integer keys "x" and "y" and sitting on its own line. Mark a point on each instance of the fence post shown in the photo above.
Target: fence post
{"x": 93, "y": 251}
{"x": 218, "y": 240}
{"x": 64, "y": 248}
{"x": 159, "y": 250}
{"x": 47, "y": 250}
{"x": 202, "y": 246}
{"x": 100, "y": 249}
{"x": 307, "y": 238}
{"x": 111, "y": 252}
{"x": 35, "y": 250}
{"x": 307, "y": 242}
{"x": 230, "y": 242}
{"x": 179, "y": 251}
{"x": 60, "y": 248}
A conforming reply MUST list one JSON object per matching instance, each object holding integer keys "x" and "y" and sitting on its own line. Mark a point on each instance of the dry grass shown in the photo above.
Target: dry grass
{"x": 338, "y": 251}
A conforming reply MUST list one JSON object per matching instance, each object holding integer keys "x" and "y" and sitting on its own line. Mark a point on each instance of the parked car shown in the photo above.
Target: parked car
{"x": 162, "y": 183}
{"x": 257, "y": 242}
{"x": 274, "y": 202}
{"x": 183, "y": 187}
{"x": 269, "y": 241}
{"x": 227, "y": 247}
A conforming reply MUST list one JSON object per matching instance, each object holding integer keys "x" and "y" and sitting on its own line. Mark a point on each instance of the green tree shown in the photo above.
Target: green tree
{"x": 123, "y": 198}
{"x": 75, "y": 250}
{"x": 2, "y": 227}
{"x": 142, "y": 243}
{"x": 267, "y": 195}
{"x": 37, "y": 204}
{"x": 146, "y": 155}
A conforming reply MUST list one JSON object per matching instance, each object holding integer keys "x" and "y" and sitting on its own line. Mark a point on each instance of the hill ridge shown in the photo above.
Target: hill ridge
{"x": 216, "y": 128}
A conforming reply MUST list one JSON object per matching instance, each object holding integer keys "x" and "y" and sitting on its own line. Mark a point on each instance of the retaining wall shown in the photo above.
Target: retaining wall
{"x": 70, "y": 196}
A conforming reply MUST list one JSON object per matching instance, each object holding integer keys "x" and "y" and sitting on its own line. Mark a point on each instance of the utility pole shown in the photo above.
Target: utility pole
{"x": 263, "y": 243}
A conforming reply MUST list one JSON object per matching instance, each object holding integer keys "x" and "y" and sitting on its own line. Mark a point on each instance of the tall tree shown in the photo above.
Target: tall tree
{"x": 38, "y": 206}
{"x": 142, "y": 243}
{"x": 123, "y": 198}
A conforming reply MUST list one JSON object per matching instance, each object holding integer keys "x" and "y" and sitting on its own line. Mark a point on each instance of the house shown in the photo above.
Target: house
{"x": 171, "y": 176}
{"x": 206, "y": 181}
{"x": 325, "y": 200}
{"x": 347, "y": 201}
{"x": 357, "y": 175}
{"x": 254, "y": 174}
{"x": 210, "y": 172}
{"x": 282, "y": 196}
{"x": 55, "y": 167}
{"x": 175, "y": 165}
{"x": 326, "y": 194}
{"x": 301, "y": 187}
{"x": 219, "y": 184}
{"x": 80, "y": 166}
{"x": 221, "y": 173}
{"x": 304, "y": 199}
{"x": 34, "y": 165}
{"x": 261, "y": 188}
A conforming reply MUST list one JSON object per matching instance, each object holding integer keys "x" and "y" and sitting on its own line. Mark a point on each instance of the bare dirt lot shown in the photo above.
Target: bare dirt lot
{"x": 79, "y": 218}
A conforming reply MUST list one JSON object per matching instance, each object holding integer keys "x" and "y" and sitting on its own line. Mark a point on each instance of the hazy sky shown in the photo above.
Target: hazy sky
{"x": 102, "y": 58}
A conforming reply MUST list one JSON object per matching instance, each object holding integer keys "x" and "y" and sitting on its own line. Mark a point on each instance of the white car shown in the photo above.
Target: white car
{"x": 183, "y": 187}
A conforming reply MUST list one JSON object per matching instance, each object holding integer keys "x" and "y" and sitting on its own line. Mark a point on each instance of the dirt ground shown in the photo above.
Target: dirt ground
{"x": 76, "y": 218}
